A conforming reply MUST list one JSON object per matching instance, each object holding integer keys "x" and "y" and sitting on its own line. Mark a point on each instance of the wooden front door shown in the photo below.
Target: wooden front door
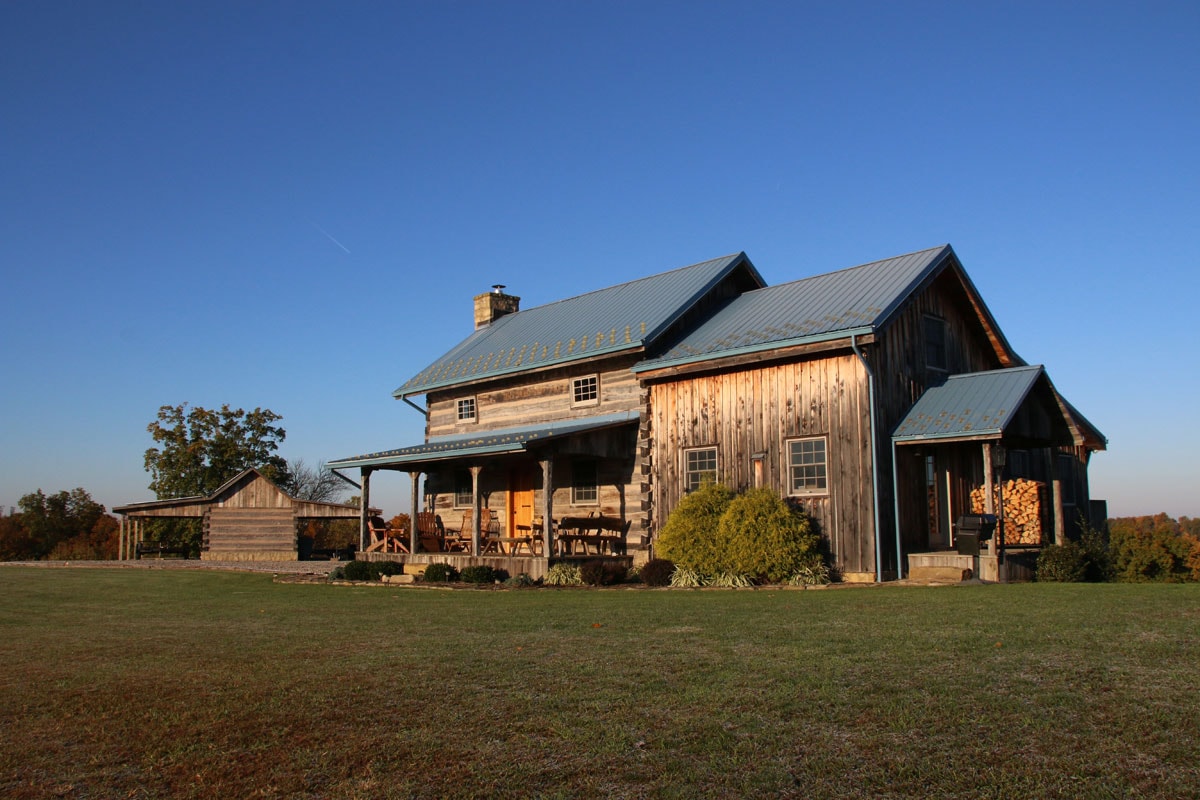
{"x": 520, "y": 500}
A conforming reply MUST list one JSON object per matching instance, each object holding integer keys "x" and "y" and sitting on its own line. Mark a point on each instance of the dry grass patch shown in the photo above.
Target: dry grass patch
{"x": 201, "y": 684}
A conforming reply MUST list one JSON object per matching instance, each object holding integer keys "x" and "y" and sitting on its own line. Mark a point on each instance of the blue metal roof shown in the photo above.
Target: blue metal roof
{"x": 628, "y": 316}
{"x": 509, "y": 440}
{"x": 834, "y": 305}
{"x": 972, "y": 405}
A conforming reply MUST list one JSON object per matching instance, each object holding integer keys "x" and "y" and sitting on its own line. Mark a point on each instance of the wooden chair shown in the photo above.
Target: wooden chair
{"x": 430, "y": 534}
{"x": 384, "y": 539}
{"x": 461, "y": 540}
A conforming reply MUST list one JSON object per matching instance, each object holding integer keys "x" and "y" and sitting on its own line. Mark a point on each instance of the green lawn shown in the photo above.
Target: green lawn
{"x": 156, "y": 683}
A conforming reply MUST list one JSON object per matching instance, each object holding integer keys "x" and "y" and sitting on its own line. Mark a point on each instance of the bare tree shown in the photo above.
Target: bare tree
{"x": 317, "y": 483}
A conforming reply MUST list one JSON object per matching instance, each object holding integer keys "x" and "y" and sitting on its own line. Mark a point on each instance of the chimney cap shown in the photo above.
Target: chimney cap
{"x": 498, "y": 288}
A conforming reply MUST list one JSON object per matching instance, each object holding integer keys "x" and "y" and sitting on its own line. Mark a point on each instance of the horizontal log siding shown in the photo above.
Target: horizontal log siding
{"x": 530, "y": 399}
{"x": 759, "y": 409}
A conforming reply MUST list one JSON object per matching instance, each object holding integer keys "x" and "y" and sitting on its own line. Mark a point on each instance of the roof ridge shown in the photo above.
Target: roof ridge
{"x": 662, "y": 274}
{"x": 855, "y": 267}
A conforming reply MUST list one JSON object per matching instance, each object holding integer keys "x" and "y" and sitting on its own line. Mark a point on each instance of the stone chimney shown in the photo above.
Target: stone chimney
{"x": 493, "y": 305}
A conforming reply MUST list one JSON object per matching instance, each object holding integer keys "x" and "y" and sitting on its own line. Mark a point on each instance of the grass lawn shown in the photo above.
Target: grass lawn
{"x": 157, "y": 683}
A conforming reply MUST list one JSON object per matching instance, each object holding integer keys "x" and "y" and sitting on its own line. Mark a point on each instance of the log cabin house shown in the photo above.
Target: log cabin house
{"x": 877, "y": 396}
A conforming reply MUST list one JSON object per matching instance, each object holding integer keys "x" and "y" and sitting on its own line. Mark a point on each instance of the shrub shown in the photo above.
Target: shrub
{"x": 657, "y": 572}
{"x": 387, "y": 568}
{"x": 440, "y": 573}
{"x": 689, "y": 537}
{"x": 1061, "y": 563}
{"x": 685, "y": 578}
{"x": 337, "y": 574}
{"x": 815, "y": 572}
{"x": 520, "y": 580}
{"x": 360, "y": 571}
{"x": 478, "y": 573}
{"x": 602, "y": 573}
{"x": 563, "y": 575}
{"x": 762, "y": 536}
{"x": 731, "y": 580}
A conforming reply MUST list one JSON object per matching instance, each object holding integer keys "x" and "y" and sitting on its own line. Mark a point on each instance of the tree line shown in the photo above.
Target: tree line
{"x": 196, "y": 450}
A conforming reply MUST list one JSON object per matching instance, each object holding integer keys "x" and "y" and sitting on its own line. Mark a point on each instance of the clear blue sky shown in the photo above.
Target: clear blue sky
{"x": 291, "y": 204}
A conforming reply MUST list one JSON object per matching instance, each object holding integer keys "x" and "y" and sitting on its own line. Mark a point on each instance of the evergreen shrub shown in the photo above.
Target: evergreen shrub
{"x": 440, "y": 573}
{"x": 479, "y": 573}
{"x": 689, "y": 537}
{"x": 1061, "y": 563}
{"x": 657, "y": 572}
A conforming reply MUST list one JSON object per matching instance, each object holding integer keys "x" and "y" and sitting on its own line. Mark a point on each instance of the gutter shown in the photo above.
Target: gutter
{"x": 875, "y": 465}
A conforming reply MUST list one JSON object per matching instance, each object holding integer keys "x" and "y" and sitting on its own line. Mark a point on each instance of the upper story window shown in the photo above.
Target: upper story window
{"x": 585, "y": 391}
{"x": 585, "y": 485}
{"x": 808, "y": 466}
{"x": 466, "y": 409}
{"x": 935, "y": 344}
{"x": 699, "y": 465}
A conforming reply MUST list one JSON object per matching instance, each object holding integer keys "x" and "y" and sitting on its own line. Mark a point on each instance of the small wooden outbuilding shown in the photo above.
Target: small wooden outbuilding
{"x": 247, "y": 519}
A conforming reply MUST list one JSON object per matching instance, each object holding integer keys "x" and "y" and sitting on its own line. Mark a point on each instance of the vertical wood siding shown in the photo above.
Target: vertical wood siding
{"x": 758, "y": 410}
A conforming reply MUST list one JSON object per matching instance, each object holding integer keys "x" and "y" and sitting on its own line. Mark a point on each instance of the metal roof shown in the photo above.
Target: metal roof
{"x": 856, "y": 300}
{"x": 628, "y": 316}
{"x": 971, "y": 405}
{"x": 509, "y": 440}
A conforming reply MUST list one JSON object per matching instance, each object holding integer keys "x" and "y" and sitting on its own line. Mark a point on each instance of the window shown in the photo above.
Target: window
{"x": 699, "y": 465}
{"x": 585, "y": 391}
{"x": 585, "y": 485}
{"x": 466, "y": 409}
{"x": 807, "y": 466}
{"x": 463, "y": 496}
{"x": 935, "y": 344}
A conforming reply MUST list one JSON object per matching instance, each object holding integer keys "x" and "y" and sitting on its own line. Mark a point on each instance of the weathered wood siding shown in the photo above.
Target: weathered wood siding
{"x": 251, "y": 530}
{"x": 539, "y": 397}
{"x": 898, "y": 357}
{"x": 758, "y": 409}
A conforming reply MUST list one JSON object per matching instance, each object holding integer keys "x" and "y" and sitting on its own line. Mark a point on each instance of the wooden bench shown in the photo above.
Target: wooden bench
{"x": 603, "y": 533}
{"x": 160, "y": 550}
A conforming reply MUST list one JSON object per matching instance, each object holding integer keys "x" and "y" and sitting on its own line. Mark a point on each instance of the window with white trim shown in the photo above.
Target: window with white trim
{"x": 699, "y": 465}
{"x": 466, "y": 409}
{"x": 585, "y": 391}
{"x": 808, "y": 466}
{"x": 585, "y": 485}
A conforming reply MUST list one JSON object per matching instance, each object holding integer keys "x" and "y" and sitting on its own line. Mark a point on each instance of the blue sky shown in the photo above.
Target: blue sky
{"x": 291, "y": 204}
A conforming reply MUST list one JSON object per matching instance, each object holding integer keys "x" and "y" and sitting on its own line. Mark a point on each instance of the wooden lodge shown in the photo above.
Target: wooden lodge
{"x": 879, "y": 397}
{"x": 247, "y": 519}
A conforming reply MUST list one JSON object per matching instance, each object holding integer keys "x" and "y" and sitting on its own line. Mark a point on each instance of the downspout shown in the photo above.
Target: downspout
{"x": 874, "y": 460}
{"x": 420, "y": 410}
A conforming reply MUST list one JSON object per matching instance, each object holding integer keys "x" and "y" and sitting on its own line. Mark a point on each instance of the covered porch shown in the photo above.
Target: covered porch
{"x": 1003, "y": 443}
{"x": 509, "y": 498}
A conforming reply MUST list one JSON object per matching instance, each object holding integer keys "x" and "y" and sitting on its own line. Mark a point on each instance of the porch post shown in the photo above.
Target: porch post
{"x": 478, "y": 508}
{"x": 121, "y": 540}
{"x": 547, "y": 505}
{"x": 412, "y": 519}
{"x": 989, "y": 489}
{"x": 364, "y": 512}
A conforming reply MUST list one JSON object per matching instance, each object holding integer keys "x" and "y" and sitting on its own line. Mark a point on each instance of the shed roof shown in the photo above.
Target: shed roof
{"x": 497, "y": 442}
{"x": 981, "y": 405}
{"x": 200, "y": 503}
{"x": 857, "y": 300}
{"x": 625, "y": 317}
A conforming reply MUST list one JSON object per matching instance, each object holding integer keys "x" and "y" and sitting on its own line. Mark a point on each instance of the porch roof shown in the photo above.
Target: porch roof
{"x": 982, "y": 405}
{"x": 485, "y": 443}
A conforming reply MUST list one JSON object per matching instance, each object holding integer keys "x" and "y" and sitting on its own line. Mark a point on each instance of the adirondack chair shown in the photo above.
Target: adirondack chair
{"x": 430, "y": 534}
{"x": 385, "y": 539}
{"x": 460, "y": 541}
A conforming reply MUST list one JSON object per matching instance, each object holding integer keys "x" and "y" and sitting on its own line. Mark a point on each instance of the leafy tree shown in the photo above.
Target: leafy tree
{"x": 1156, "y": 549}
{"x": 50, "y": 520}
{"x": 197, "y": 449}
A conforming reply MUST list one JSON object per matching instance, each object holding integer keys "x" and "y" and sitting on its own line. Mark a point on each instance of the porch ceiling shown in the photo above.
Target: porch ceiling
{"x": 484, "y": 443}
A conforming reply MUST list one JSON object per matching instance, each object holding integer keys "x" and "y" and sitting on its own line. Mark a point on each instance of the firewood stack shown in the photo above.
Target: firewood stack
{"x": 1022, "y": 510}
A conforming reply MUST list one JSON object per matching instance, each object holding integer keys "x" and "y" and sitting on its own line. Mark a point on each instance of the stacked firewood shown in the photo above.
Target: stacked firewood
{"x": 1022, "y": 510}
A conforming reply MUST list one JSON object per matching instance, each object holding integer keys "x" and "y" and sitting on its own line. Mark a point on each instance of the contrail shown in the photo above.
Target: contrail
{"x": 330, "y": 237}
